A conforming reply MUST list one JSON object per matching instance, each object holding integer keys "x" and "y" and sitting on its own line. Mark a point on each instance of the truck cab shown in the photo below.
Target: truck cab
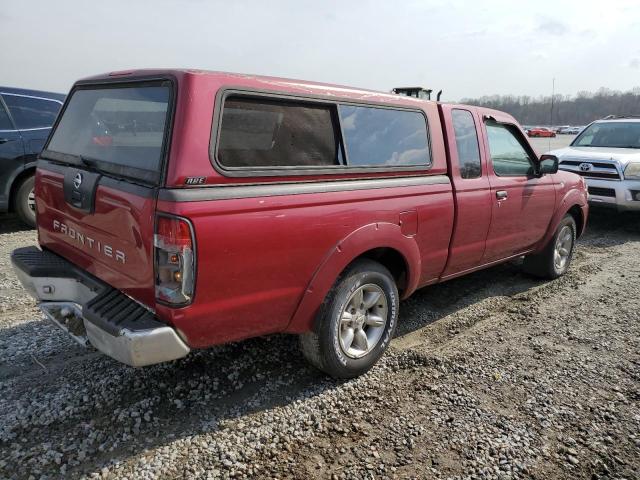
{"x": 181, "y": 209}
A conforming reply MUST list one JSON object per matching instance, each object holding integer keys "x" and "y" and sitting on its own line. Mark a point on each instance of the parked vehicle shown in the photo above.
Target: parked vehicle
{"x": 26, "y": 117}
{"x": 541, "y": 132}
{"x": 573, "y": 130}
{"x": 607, "y": 155}
{"x": 569, "y": 130}
{"x": 182, "y": 209}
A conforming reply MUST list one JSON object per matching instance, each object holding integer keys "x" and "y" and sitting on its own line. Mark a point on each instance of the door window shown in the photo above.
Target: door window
{"x": 29, "y": 112}
{"x": 5, "y": 122}
{"x": 466, "y": 143}
{"x": 509, "y": 157}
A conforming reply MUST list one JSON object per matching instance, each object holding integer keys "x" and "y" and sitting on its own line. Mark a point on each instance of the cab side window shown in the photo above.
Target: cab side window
{"x": 30, "y": 112}
{"x": 509, "y": 157}
{"x": 466, "y": 143}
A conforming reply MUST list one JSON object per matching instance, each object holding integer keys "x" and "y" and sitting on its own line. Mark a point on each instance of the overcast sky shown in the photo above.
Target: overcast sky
{"x": 467, "y": 48}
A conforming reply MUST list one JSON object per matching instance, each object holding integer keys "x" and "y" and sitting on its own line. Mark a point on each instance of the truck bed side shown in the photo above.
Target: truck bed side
{"x": 243, "y": 291}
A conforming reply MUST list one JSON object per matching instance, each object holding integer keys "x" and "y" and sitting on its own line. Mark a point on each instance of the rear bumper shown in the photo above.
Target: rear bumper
{"x": 621, "y": 195}
{"x": 94, "y": 313}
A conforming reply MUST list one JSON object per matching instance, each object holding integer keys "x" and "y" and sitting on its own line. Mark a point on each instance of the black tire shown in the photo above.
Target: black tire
{"x": 322, "y": 346}
{"x": 21, "y": 202}
{"x": 543, "y": 264}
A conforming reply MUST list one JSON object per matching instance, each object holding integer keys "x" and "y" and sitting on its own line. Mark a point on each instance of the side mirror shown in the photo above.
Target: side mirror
{"x": 548, "y": 164}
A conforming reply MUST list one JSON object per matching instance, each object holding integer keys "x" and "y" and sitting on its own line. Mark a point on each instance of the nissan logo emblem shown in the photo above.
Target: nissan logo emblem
{"x": 585, "y": 167}
{"x": 77, "y": 180}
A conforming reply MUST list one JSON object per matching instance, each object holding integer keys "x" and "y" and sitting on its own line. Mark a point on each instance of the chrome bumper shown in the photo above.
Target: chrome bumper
{"x": 62, "y": 301}
{"x": 624, "y": 196}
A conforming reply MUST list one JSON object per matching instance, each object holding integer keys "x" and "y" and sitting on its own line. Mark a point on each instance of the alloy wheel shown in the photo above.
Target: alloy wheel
{"x": 562, "y": 251}
{"x": 363, "y": 320}
{"x": 31, "y": 200}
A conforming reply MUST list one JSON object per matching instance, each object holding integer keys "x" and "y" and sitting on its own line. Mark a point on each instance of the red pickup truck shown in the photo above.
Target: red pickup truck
{"x": 181, "y": 209}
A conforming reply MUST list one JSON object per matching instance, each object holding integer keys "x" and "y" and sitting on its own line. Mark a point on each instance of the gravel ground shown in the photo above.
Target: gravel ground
{"x": 495, "y": 375}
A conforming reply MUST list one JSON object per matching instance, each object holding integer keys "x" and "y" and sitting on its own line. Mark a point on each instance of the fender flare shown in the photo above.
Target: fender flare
{"x": 17, "y": 173}
{"x": 571, "y": 199}
{"x": 368, "y": 237}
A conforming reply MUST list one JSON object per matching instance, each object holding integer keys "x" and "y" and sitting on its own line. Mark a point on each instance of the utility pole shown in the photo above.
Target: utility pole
{"x": 553, "y": 94}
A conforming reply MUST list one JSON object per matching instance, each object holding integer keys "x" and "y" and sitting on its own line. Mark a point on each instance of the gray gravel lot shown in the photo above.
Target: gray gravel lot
{"x": 495, "y": 375}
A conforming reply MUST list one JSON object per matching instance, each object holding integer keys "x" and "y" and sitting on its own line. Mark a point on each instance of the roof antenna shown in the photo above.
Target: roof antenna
{"x": 438, "y": 96}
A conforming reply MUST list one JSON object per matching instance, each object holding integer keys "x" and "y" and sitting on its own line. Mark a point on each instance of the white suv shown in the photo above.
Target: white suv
{"x": 607, "y": 154}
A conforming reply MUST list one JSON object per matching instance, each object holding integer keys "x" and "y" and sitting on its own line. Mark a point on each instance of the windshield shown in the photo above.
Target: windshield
{"x": 117, "y": 130}
{"x": 610, "y": 134}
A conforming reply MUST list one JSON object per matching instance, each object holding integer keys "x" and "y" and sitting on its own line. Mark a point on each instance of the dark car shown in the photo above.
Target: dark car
{"x": 26, "y": 117}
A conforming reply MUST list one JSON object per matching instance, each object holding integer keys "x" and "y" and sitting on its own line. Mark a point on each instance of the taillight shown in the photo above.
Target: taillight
{"x": 175, "y": 260}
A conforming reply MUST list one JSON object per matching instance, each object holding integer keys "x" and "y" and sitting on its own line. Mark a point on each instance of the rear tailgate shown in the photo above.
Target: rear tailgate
{"x": 97, "y": 180}
{"x": 114, "y": 242}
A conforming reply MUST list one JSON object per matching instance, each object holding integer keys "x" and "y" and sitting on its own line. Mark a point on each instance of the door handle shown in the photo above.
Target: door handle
{"x": 502, "y": 194}
{"x": 4, "y": 140}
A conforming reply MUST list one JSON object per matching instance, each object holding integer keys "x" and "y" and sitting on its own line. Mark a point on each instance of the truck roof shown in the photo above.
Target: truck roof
{"x": 262, "y": 81}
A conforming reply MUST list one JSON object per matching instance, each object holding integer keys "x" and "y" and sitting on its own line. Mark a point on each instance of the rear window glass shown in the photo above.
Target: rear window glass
{"x": 384, "y": 137}
{"x": 30, "y": 112}
{"x": 274, "y": 133}
{"x": 122, "y": 129}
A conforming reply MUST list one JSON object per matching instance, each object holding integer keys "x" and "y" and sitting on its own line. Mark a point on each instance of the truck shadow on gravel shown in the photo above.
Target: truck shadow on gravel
{"x": 10, "y": 224}
{"x": 92, "y": 409}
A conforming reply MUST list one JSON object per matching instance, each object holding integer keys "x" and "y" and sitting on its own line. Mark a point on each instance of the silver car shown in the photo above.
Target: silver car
{"x": 607, "y": 154}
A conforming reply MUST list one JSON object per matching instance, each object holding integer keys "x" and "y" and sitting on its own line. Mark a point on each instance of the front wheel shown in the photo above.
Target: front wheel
{"x": 25, "y": 202}
{"x": 356, "y": 322}
{"x": 554, "y": 260}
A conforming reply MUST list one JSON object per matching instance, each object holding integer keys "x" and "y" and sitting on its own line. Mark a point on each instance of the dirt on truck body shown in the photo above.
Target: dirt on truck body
{"x": 493, "y": 375}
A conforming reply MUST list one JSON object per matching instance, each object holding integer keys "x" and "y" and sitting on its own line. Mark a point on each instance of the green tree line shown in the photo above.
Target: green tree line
{"x": 580, "y": 109}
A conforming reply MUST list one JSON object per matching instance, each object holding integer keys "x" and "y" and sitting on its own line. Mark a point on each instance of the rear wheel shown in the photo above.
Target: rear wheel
{"x": 25, "y": 201}
{"x": 555, "y": 259}
{"x": 356, "y": 322}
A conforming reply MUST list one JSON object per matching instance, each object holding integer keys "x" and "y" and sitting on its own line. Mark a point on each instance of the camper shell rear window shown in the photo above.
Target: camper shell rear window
{"x": 117, "y": 129}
